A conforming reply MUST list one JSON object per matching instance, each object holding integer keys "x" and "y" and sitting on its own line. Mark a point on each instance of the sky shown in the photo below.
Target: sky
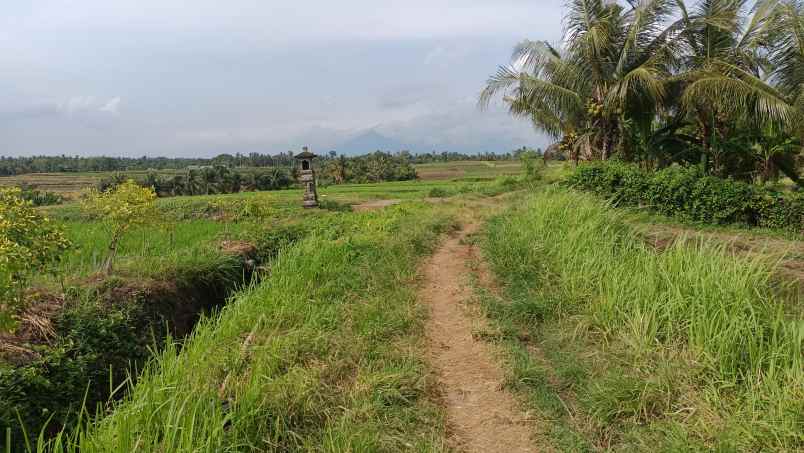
{"x": 199, "y": 78}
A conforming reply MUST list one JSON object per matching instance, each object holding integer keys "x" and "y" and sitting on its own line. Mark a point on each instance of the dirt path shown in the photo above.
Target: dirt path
{"x": 374, "y": 204}
{"x": 482, "y": 417}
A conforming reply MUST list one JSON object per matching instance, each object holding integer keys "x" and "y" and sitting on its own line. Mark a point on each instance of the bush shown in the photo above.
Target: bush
{"x": 438, "y": 192}
{"x": 687, "y": 193}
{"x": 120, "y": 209}
{"x": 40, "y": 197}
{"x": 332, "y": 205}
{"x": 29, "y": 244}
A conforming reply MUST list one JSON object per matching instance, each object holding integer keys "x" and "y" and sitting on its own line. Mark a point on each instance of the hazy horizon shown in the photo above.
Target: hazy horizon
{"x": 154, "y": 77}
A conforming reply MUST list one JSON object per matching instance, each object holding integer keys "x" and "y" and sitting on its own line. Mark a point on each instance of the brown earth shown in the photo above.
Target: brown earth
{"x": 481, "y": 415}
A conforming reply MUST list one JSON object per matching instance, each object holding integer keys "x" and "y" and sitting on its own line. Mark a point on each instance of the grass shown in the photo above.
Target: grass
{"x": 623, "y": 347}
{"x": 192, "y": 228}
{"x": 321, "y": 356}
{"x": 468, "y": 170}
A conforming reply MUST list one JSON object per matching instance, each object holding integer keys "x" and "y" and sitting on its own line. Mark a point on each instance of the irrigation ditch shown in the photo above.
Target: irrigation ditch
{"x": 73, "y": 354}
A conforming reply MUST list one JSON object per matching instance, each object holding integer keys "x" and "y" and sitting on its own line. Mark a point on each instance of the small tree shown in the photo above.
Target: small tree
{"x": 120, "y": 209}
{"x": 29, "y": 243}
{"x": 528, "y": 159}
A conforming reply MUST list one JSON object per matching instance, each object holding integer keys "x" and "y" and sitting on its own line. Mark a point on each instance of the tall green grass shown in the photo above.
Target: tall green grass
{"x": 321, "y": 356}
{"x": 570, "y": 260}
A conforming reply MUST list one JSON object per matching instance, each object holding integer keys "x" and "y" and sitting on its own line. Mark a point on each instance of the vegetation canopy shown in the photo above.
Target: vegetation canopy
{"x": 718, "y": 83}
{"x": 29, "y": 243}
{"x": 120, "y": 209}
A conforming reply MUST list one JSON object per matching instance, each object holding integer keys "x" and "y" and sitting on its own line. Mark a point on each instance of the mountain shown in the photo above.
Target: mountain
{"x": 370, "y": 141}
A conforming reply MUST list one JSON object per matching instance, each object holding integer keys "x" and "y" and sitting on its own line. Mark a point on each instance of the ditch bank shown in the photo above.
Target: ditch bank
{"x": 84, "y": 349}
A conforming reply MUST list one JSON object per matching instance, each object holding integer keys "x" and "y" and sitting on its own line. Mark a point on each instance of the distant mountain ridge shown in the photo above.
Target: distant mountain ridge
{"x": 370, "y": 141}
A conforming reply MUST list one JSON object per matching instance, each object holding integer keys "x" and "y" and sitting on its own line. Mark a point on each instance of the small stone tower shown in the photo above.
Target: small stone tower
{"x": 307, "y": 177}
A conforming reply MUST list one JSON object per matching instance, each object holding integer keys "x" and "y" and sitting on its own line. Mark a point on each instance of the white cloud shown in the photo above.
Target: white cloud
{"x": 79, "y": 105}
{"x": 443, "y": 55}
{"x": 112, "y": 106}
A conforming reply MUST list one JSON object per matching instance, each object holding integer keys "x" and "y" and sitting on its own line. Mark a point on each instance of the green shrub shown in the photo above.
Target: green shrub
{"x": 438, "y": 192}
{"x": 332, "y": 205}
{"x": 40, "y": 197}
{"x": 687, "y": 193}
{"x": 780, "y": 211}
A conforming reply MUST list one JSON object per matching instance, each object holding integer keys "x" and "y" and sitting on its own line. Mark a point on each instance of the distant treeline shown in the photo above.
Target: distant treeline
{"x": 220, "y": 179}
{"x": 209, "y": 180}
{"x": 375, "y": 167}
{"x": 11, "y": 166}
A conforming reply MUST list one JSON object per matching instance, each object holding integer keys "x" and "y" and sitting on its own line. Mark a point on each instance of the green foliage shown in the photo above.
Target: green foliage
{"x": 332, "y": 205}
{"x": 438, "y": 192}
{"x": 120, "y": 208}
{"x": 96, "y": 346}
{"x": 681, "y": 350}
{"x": 321, "y": 354}
{"x": 29, "y": 243}
{"x": 687, "y": 193}
{"x": 10, "y": 166}
{"x": 713, "y": 81}
{"x": 40, "y": 198}
{"x": 374, "y": 167}
{"x": 207, "y": 180}
{"x": 106, "y": 334}
{"x": 530, "y": 165}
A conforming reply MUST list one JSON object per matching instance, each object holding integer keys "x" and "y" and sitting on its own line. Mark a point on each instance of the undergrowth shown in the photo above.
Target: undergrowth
{"x": 622, "y": 347}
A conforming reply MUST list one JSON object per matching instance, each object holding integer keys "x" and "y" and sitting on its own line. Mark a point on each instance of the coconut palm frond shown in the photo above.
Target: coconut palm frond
{"x": 533, "y": 55}
{"x": 738, "y": 98}
{"x": 787, "y": 48}
{"x": 641, "y": 86}
{"x": 506, "y": 79}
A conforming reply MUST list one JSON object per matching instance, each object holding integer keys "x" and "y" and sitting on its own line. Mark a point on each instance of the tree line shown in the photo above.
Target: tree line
{"x": 716, "y": 83}
{"x": 12, "y": 166}
{"x": 207, "y": 181}
{"x": 221, "y": 179}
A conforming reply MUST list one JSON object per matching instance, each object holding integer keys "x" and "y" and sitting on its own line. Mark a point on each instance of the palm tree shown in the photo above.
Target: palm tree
{"x": 611, "y": 70}
{"x": 195, "y": 184}
{"x": 741, "y": 77}
{"x": 787, "y": 58}
{"x": 720, "y": 83}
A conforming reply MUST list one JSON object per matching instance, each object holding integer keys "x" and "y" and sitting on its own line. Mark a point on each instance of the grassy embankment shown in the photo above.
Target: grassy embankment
{"x": 322, "y": 355}
{"x": 166, "y": 271}
{"x": 621, "y": 346}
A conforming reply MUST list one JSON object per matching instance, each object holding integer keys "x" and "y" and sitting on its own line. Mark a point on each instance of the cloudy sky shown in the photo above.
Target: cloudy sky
{"x": 202, "y": 77}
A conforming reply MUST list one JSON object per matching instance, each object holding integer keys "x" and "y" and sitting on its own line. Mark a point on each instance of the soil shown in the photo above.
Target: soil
{"x": 481, "y": 415}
